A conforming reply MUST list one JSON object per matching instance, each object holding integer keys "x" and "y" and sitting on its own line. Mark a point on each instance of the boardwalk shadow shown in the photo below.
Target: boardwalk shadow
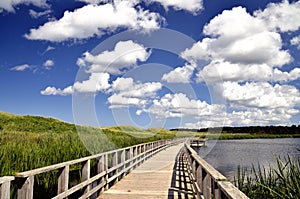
{"x": 181, "y": 185}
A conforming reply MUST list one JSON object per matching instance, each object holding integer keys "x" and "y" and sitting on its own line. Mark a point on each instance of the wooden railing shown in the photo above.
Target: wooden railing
{"x": 207, "y": 181}
{"x": 111, "y": 167}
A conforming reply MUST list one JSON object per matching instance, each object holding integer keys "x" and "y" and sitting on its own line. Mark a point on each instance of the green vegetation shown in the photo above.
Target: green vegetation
{"x": 29, "y": 142}
{"x": 229, "y": 136}
{"x": 280, "y": 182}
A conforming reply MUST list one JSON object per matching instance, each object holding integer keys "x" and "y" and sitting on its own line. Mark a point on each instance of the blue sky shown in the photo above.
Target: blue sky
{"x": 152, "y": 63}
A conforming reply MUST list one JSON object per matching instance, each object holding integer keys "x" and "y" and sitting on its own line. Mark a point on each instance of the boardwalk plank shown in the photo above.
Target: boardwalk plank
{"x": 162, "y": 176}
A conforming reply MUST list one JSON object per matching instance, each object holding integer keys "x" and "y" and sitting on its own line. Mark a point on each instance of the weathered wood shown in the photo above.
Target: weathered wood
{"x": 100, "y": 164}
{"x": 197, "y": 142}
{"x": 115, "y": 163}
{"x": 199, "y": 176}
{"x": 207, "y": 185}
{"x": 230, "y": 191}
{"x": 54, "y": 167}
{"x": 6, "y": 179}
{"x": 123, "y": 159}
{"x": 79, "y": 186}
{"x": 25, "y": 187}
{"x": 130, "y": 155}
{"x": 86, "y": 172}
{"x": 216, "y": 175}
{"x": 63, "y": 179}
{"x": 92, "y": 191}
{"x": 156, "y": 178}
{"x": 209, "y": 180}
{"x": 5, "y": 186}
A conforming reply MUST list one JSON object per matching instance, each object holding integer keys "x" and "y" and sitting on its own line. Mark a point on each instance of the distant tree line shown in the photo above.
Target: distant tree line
{"x": 248, "y": 129}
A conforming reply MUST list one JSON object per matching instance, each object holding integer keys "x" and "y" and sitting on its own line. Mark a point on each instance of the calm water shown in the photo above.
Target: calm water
{"x": 227, "y": 155}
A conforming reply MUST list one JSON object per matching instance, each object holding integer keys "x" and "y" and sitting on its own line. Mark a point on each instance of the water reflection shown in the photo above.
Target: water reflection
{"x": 227, "y": 155}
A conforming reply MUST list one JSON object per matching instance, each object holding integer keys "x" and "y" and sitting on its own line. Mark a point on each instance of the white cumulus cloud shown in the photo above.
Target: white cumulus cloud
{"x": 97, "y": 82}
{"x": 282, "y": 16}
{"x": 219, "y": 71}
{"x": 240, "y": 47}
{"x": 179, "y": 105}
{"x": 20, "y": 67}
{"x": 180, "y": 74}
{"x": 126, "y": 92}
{"x": 92, "y": 20}
{"x": 48, "y": 64}
{"x": 261, "y": 95}
{"x": 192, "y": 5}
{"x": 296, "y": 41}
{"x": 9, "y": 5}
{"x": 50, "y": 90}
{"x": 250, "y": 117}
{"x": 124, "y": 55}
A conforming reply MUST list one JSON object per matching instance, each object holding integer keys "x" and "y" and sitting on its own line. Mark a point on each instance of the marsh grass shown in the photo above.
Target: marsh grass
{"x": 280, "y": 182}
{"x": 29, "y": 142}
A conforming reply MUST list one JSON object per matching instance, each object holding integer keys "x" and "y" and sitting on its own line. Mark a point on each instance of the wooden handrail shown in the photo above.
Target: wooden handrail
{"x": 207, "y": 181}
{"x": 108, "y": 170}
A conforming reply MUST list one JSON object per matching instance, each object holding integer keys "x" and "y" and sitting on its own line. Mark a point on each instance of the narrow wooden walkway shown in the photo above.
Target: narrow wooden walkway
{"x": 162, "y": 176}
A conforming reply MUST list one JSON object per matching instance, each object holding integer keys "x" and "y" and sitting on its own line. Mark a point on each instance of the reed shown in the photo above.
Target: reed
{"x": 283, "y": 181}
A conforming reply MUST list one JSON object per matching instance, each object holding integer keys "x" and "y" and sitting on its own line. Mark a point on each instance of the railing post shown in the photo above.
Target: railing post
{"x": 135, "y": 153}
{"x": 86, "y": 172}
{"x": 194, "y": 167}
{"x": 25, "y": 187}
{"x": 206, "y": 186}
{"x": 216, "y": 191}
{"x": 106, "y": 169}
{"x": 63, "y": 179}
{"x": 199, "y": 177}
{"x": 122, "y": 169}
{"x": 130, "y": 154}
{"x": 5, "y": 186}
{"x": 115, "y": 162}
{"x": 101, "y": 168}
{"x": 100, "y": 164}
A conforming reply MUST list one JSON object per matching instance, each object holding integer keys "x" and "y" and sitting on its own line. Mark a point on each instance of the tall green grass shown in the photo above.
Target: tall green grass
{"x": 29, "y": 142}
{"x": 280, "y": 182}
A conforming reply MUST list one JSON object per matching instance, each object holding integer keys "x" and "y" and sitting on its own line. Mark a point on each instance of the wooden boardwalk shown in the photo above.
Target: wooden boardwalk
{"x": 160, "y": 169}
{"x": 162, "y": 176}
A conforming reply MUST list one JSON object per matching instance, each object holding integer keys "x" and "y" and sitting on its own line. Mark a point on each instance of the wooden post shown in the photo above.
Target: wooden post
{"x": 216, "y": 191}
{"x": 135, "y": 153}
{"x": 206, "y": 185}
{"x": 115, "y": 162}
{"x": 25, "y": 187}
{"x": 100, "y": 164}
{"x": 63, "y": 179}
{"x": 199, "y": 177}
{"x": 106, "y": 168}
{"x": 5, "y": 186}
{"x": 130, "y": 155}
{"x": 123, "y": 158}
{"x": 86, "y": 172}
{"x": 100, "y": 169}
{"x": 194, "y": 167}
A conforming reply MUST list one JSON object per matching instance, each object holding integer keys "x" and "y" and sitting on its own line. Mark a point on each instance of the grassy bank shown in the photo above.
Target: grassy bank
{"x": 230, "y": 136}
{"x": 29, "y": 142}
{"x": 280, "y": 182}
